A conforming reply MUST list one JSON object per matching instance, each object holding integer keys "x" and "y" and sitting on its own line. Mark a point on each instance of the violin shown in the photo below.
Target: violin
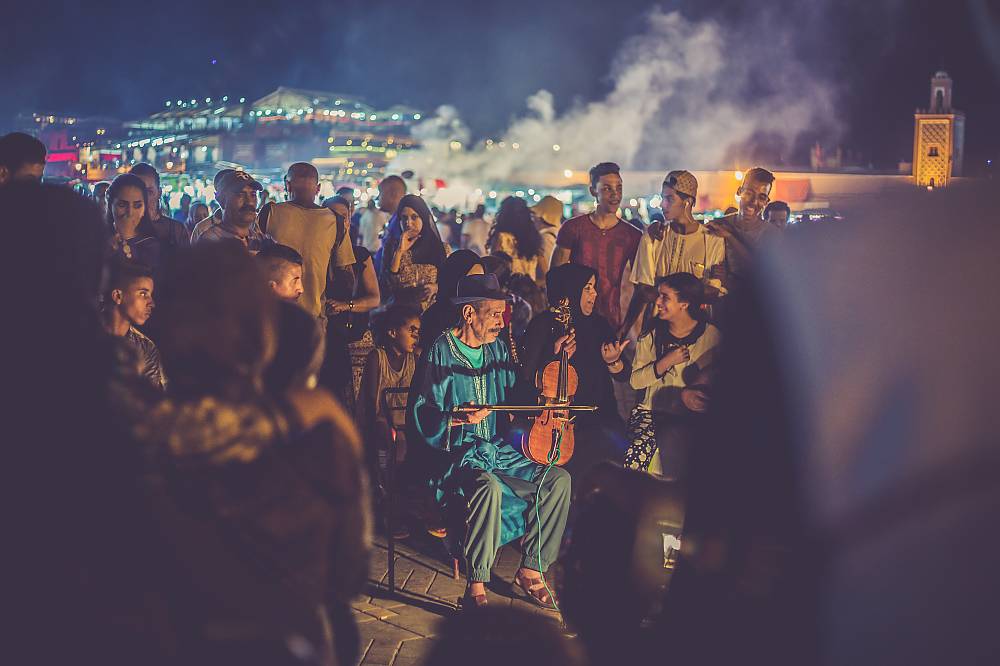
{"x": 551, "y": 440}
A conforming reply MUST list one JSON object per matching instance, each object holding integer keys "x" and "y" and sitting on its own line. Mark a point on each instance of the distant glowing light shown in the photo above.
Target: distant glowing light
{"x": 225, "y": 98}
{"x": 738, "y": 175}
{"x": 633, "y": 202}
{"x": 170, "y": 165}
{"x": 515, "y": 146}
{"x": 556, "y": 147}
{"x": 537, "y": 197}
{"x": 568, "y": 173}
{"x": 519, "y": 193}
{"x": 242, "y": 99}
{"x": 168, "y": 104}
{"x": 395, "y": 116}
{"x": 416, "y": 116}
{"x": 531, "y": 192}
{"x": 208, "y": 100}
{"x": 493, "y": 195}
{"x": 214, "y": 61}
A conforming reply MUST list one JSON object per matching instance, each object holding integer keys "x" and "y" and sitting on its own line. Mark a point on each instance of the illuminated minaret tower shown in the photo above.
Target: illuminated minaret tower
{"x": 938, "y": 137}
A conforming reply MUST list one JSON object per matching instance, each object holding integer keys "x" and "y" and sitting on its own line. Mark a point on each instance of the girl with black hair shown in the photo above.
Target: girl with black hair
{"x": 514, "y": 233}
{"x": 412, "y": 255}
{"x": 673, "y": 359}
{"x": 128, "y": 220}
{"x": 594, "y": 353}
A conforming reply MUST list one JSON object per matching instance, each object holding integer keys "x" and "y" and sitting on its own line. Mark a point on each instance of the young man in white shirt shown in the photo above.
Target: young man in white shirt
{"x": 684, "y": 246}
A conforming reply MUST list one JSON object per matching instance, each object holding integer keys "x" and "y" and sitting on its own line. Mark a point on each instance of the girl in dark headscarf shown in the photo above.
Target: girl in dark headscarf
{"x": 595, "y": 354}
{"x": 443, "y": 313}
{"x": 412, "y": 255}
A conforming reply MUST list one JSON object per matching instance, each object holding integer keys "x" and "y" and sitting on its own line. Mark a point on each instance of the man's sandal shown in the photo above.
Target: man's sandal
{"x": 471, "y": 602}
{"x": 534, "y": 590}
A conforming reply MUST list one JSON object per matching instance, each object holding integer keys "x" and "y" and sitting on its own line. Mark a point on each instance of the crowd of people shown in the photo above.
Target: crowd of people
{"x": 251, "y": 366}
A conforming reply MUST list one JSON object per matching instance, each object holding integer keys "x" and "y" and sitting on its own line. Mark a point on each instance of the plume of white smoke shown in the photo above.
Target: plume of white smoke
{"x": 684, "y": 95}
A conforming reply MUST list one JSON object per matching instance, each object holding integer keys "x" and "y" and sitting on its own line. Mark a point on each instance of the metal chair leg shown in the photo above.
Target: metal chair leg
{"x": 390, "y": 510}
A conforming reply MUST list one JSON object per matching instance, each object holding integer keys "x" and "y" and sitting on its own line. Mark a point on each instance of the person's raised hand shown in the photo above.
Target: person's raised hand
{"x": 611, "y": 352}
{"x": 407, "y": 240}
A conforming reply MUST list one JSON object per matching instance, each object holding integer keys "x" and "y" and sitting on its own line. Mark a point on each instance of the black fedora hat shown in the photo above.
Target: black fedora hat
{"x": 475, "y": 288}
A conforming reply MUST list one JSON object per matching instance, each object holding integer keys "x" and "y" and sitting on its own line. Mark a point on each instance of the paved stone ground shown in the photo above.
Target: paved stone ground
{"x": 398, "y": 630}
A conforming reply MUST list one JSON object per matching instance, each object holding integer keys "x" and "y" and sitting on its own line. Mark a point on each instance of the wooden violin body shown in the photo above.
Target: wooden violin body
{"x": 552, "y": 440}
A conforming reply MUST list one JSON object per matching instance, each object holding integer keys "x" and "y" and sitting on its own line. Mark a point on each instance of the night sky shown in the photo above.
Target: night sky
{"x": 124, "y": 59}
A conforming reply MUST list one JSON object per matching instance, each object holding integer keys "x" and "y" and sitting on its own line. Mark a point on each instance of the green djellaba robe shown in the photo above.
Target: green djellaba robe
{"x": 455, "y": 376}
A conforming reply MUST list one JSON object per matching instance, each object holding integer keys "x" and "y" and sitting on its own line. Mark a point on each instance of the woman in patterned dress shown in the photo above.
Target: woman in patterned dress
{"x": 412, "y": 255}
